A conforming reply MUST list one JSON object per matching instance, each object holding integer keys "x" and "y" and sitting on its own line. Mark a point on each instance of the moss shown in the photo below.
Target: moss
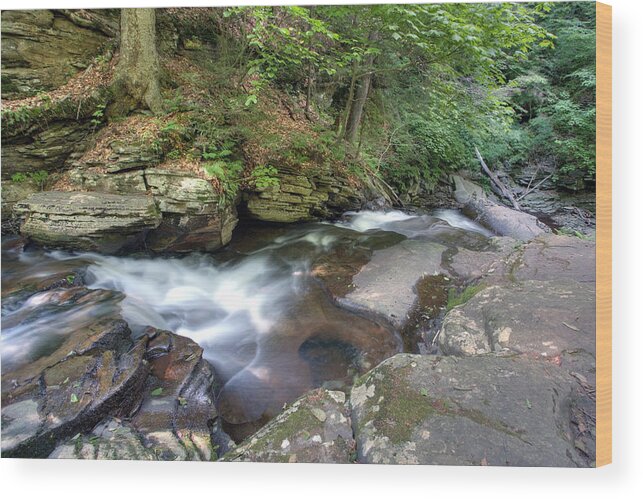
{"x": 402, "y": 409}
{"x": 455, "y": 299}
{"x": 297, "y": 424}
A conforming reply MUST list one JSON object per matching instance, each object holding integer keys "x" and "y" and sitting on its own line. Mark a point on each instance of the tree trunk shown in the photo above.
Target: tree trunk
{"x": 137, "y": 73}
{"x": 357, "y": 108}
{"x": 309, "y": 90}
{"x": 343, "y": 121}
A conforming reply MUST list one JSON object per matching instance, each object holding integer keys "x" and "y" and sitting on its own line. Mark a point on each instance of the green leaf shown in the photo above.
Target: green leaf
{"x": 74, "y": 398}
{"x": 424, "y": 392}
{"x": 182, "y": 401}
{"x": 157, "y": 392}
{"x": 252, "y": 99}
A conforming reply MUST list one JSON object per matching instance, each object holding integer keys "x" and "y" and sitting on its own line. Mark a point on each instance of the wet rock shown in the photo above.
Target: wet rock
{"x": 535, "y": 318}
{"x": 177, "y": 416}
{"x": 111, "y": 439}
{"x": 88, "y": 221}
{"x": 95, "y": 372}
{"x": 486, "y": 410}
{"x": 386, "y": 284}
{"x": 316, "y": 428}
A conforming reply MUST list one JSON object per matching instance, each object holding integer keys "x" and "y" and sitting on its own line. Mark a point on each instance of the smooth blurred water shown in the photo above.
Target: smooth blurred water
{"x": 265, "y": 323}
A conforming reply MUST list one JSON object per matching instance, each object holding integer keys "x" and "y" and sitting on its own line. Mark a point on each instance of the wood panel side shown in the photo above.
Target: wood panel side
{"x": 603, "y": 234}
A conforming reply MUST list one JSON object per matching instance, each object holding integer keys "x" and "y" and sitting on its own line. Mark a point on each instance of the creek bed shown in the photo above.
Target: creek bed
{"x": 267, "y": 317}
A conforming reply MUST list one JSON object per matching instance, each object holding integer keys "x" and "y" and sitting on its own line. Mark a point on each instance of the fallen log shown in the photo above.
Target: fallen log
{"x": 504, "y": 191}
{"x": 501, "y": 219}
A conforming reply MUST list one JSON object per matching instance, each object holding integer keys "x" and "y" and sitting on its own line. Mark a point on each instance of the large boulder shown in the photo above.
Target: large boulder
{"x": 316, "y": 428}
{"x": 95, "y": 371}
{"x": 415, "y": 409}
{"x": 175, "y": 418}
{"x": 552, "y": 257}
{"x": 88, "y": 221}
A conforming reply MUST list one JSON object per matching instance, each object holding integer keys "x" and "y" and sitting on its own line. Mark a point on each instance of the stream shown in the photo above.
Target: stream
{"x": 267, "y": 323}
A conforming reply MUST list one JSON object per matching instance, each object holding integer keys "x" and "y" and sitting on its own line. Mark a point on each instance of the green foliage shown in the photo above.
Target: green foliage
{"x": 226, "y": 170}
{"x": 19, "y": 177}
{"x": 456, "y": 298}
{"x": 98, "y": 115}
{"x": 39, "y": 178}
{"x": 264, "y": 177}
{"x": 554, "y": 97}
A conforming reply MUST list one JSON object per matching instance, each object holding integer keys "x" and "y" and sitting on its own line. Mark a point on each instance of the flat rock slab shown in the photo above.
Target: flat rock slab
{"x": 488, "y": 410}
{"x": 536, "y": 318}
{"x": 88, "y": 221}
{"x": 316, "y": 428}
{"x": 552, "y": 257}
{"x": 492, "y": 263}
{"x": 386, "y": 284}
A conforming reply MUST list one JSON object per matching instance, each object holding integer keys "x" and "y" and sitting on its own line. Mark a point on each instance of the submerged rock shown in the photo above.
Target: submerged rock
{"x": 88, "y": 221}
{"x": 415, "y": 409}
{"x": 316, "y": 428}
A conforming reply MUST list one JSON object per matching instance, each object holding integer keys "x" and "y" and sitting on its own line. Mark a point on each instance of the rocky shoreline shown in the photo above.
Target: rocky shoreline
{"x": 513, "y": 383}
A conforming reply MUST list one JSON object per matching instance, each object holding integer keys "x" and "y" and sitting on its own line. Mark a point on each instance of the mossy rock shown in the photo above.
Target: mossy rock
{"x": 414, "y": 409}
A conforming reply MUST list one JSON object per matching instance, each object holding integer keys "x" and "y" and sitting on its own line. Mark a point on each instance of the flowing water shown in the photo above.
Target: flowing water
{"x": 267, "y": 325}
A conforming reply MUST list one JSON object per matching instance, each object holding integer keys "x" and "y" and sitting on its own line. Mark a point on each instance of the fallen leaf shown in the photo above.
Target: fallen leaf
{"x": 573, "y": 328}
{"x": 156, "y": 392}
